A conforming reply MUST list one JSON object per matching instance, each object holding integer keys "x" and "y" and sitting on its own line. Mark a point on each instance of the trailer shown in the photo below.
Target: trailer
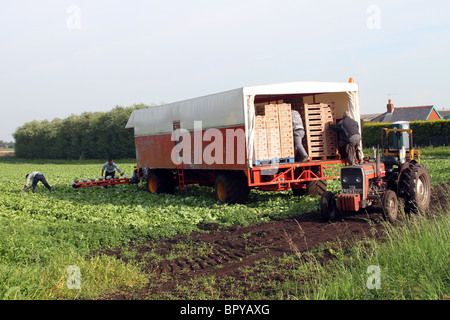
{"x": 219, "y": 140}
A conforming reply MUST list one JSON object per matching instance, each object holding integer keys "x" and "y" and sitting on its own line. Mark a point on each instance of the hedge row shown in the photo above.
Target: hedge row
{"x": 425, "y": 133}
{"x": 91, "y": 135}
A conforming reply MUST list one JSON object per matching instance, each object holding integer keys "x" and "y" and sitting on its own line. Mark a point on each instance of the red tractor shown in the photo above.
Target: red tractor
{"x": 385, "y": 181}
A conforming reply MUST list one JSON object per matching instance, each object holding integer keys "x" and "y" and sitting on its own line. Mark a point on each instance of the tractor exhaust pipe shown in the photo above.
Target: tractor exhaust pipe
{"x": 377, "y": 163}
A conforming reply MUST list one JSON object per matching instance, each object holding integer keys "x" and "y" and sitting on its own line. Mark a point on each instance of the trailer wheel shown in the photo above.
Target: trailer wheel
{"x": 160, "y": 181}
{"x": 231, "y": 187}
{"x": 389, "y": 203}
{"x": 415, "y": 188}
{"x": 328, "y": 209}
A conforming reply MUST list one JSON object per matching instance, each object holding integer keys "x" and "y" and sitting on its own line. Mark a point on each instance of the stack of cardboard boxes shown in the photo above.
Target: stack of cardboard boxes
{"x": 286, "y": 134}
{"x": 261, "y": 138}
{"x": 276, "y": 121}
{"x": 273, "y": 131}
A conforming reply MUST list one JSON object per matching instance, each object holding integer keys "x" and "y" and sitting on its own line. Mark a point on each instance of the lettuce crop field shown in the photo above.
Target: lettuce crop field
{"x": 44, "y": 234}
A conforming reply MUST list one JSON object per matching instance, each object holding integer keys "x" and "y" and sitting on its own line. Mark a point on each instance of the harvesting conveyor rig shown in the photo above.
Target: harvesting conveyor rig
{"x": 108, "y": 181}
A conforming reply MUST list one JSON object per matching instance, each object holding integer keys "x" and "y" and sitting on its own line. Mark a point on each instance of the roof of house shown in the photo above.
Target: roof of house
{"x": 445, "y": 114}
{"x": 405, "y": 114}
{"x": 369, "y": 117}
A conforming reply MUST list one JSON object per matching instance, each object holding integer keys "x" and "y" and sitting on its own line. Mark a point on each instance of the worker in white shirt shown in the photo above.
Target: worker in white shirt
{"x": 34, "y": 178}
{"x": 299, "y": 133}
{"x": 110, "y": 168}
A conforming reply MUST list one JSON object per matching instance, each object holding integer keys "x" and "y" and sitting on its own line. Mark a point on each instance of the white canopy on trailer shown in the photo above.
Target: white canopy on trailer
{"x": 236, "y": 108}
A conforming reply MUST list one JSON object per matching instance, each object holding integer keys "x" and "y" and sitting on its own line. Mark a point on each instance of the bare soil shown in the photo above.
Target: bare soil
{"x": 6, "y": 154}
{"x": 175, "y": 263}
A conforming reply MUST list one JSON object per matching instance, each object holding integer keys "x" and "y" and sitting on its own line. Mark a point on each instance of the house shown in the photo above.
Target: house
{"x": 420, "y": 113}
{"x": 445, "y": 113}
{"x": 369, "y": 117}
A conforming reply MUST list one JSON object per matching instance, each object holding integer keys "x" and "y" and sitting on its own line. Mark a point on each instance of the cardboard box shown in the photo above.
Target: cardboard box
{"x": 274, "y": 154}
{"x": 285, "y": 113}
{"x": 270, "y": 109}
{"x": 285, "y": 119}
{"x": 286, "y": 129}
{"x": 273, "y": 141}
{"x": 271, "y": 113}
{"x": 284, "y": 107}
{"x": 270, "y": 119}
{"x": 287, "y": 152}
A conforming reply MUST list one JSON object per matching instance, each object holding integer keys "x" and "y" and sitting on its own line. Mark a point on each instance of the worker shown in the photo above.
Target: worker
{"x": 299, "y": 132}
{"x": 111, "y": 168}
{"x": 35, "y": 177}
{"x": 349, "y": 137}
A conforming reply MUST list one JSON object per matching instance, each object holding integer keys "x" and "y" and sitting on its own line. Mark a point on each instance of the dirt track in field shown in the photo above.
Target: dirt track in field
{"x": 225, "y": 252}
{"x": 6, "y": 153}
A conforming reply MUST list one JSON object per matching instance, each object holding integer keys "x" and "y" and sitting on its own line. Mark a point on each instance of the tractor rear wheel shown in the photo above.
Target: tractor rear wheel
{"x": 231, "y": 187}
{"x": 328, "y": 209}
{"x": 415, "y": 188}
{"x": 389, "y": 204}
{"x": 160, "y": 181}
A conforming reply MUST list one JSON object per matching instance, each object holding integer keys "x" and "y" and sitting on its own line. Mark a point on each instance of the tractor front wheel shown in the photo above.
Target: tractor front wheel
{"x": 314, "y": 188}
{"x": 389, "y": 204}
{"x": 328, "y": 209}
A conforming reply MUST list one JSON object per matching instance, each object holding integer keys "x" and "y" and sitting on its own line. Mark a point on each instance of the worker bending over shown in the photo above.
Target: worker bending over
{"x": 110, "y": 168}
{"x": 349, "y": 136}
{"x": 35, "y": 177}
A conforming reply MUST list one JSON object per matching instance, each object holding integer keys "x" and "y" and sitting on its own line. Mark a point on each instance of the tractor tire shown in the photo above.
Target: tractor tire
{"x": 231, "y": 187}
{"x": 415, "y": 188}
{"x": 390, "y": 205}
{"x": 316, "y": 187}
{"x": 328, "y": 208}
{"x": 313, "y": 188}
{"x": 160, "y": 181}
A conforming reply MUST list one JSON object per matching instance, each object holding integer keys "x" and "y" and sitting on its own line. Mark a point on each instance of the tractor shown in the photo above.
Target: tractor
{"x": 393, "y": 180}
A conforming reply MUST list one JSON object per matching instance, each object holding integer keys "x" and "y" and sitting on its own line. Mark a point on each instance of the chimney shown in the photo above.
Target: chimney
{"x": 390, "y": 106}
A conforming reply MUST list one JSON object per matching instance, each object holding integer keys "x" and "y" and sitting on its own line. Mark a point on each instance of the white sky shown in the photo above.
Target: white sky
{"x": 127, "y": 52}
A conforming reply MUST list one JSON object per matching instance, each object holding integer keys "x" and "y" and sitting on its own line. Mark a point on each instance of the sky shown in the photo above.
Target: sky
{"x": 60, "y": 57}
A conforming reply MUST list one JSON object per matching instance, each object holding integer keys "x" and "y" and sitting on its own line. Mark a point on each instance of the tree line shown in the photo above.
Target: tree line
{"x": 91, "y": 135}
{"x": 6, "y": 145}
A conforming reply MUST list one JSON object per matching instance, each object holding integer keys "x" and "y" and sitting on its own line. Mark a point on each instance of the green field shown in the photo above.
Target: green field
{"x": 42, "y": 234}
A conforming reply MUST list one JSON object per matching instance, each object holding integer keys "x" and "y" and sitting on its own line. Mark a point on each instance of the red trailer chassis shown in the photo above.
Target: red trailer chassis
{"x": 292, "y": 175}
{"x": 282, "y": 176}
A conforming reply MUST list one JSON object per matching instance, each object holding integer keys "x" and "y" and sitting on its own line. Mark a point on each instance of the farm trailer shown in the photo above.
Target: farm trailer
{"x": 210, "y": 141}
